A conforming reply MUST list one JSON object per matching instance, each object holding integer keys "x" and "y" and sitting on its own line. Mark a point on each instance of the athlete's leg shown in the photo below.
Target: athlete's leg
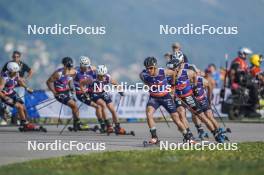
{"x": 74, "y": 107}
{"x": 150, "y": 110}
{"x": 102, "y": 104}
{"x": 210, "y": 116}
{"x": 111, "y": 108}
{"x": 21, "y": 111}
{"x": 98, "y": 110}
{"x": 182, "y": 115}
{"x": 196, "y": 109}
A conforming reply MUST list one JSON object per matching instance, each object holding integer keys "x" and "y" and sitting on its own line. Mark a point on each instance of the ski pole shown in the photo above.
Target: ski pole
{"x": 216, "y": 111}
{"x": 164, "y": 118}
{"x": 59, "y": 115}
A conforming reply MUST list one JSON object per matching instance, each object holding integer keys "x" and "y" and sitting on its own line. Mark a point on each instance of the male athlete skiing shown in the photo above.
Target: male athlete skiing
{"x": 103, "y": 98}
{"x": 84, "y": 76}
{"x": 159, "y": 95}
{"x": 8, "y": 81}
{"x": 59, "y": 84}
{"x": 185, "y": 90}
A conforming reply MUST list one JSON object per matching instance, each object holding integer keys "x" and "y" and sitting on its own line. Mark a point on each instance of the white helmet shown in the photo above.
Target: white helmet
{"x": 85, "y": 61}
{"x": 178, "y": 55}
{"x": 13, "y": 67}
{"x": 245, "y": 50}
{"x": 101, "y": 70}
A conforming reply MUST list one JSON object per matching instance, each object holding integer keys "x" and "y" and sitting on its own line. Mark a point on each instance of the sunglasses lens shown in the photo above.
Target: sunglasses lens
{"x": 150, "y": 68}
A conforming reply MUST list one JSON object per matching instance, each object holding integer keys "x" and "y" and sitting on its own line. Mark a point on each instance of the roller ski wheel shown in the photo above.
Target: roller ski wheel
{"x": 71, "y": 129}
{"x": 32, "y": 128}
{"x": 152, "y": 142}
{"x": 122, "y": 131}
{"x": 132, "y": 133}
{"x": 221, "y": 137}
{"x": 228, "y": 130}
{"x": 94, "y": 129}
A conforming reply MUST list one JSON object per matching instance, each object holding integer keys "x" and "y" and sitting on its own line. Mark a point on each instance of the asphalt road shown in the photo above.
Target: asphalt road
{"x": 14, "y": 144}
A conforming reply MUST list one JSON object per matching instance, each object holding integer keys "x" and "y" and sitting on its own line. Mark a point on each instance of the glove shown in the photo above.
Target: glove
{"x": 87, "y": 96}
{"x": 9, "y": 100}
{"x": 235, "y": 86}
{"x": 121, "y": 93}
{"x": 29, "y": 90}
{"x": 195, "y": 91}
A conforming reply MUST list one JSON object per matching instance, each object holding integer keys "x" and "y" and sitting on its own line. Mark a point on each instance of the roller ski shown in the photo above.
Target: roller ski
{"x": 84, "y": 127}
{"x": 227, "y": 130}
{"x": 188, "y": 138}
{"x": 220, "y": 136}
{"x": 30, "y": 127}
{"x": 152, "y": 142}
{"x": 202, "y": 135}
{"x": 120, "y": 131}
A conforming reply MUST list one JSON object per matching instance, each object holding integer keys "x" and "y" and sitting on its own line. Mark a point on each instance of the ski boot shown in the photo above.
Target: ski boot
{"x": 220, "y": 137}
{"x": 78, "y": 126}
{"x": 202, "y": 134}
{"x": 121, "y": 131}
{"x": 188, "y": 138}
{"x": 223, "y": 131}
{"x": 102, "y": 128}
{"x": 152, "y": 141}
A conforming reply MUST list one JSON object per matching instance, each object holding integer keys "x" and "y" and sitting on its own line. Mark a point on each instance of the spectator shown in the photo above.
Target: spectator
{"x": 215, "y": 75}
{"x": 167, "y": 56}
{"x": 176, "y": 47}
{"x": 24, "y": 68}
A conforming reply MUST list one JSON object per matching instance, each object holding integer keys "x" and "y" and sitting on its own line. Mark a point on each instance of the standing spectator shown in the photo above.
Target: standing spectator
{"x": 215, "y": 75}
{"x": 176, "y": 47}
{"x": 24, "y": 68}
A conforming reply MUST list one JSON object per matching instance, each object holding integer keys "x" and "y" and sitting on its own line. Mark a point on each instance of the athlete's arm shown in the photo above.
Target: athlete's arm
{"x": 169, "y": 72}
{"x": 119, "y": 88}
{"x": 2, "y": 85}
{"x": 50, "y": 82}
{"x": 208, "y": 86}
{"x": 85, "y": 82}
{"x": 93, "y": 68}
{"x": 23, "y": 84}
{"x": 192, "y": 76}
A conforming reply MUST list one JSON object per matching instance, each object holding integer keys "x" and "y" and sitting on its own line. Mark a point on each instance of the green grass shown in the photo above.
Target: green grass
{"x": 248, "y": 159}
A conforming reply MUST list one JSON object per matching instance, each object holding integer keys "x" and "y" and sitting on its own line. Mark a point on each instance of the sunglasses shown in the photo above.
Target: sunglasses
{"x": 17, "y": 56}
{"x": 150, "y": 68}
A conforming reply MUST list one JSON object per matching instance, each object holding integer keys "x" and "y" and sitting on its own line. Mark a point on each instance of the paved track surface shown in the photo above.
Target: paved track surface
{"x": 14, "y": 144}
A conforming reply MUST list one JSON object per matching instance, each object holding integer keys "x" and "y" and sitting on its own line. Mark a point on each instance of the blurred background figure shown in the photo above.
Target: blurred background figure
{"x": 209, "y": 78}
{"x": 242, "y": 83}
{"x": 176, "y": 47}
{"x": 239, "y": 67}
{"x": 215, "y": 74}
{"x": 167, "y": 56}
{"x": 255, "y": 67}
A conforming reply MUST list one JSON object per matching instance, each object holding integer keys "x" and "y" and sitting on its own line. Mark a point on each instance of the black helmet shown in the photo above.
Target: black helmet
{"x": 173, "y": 63}
{"x": 150, "y": 61}
{"x": 67, "y": 61}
